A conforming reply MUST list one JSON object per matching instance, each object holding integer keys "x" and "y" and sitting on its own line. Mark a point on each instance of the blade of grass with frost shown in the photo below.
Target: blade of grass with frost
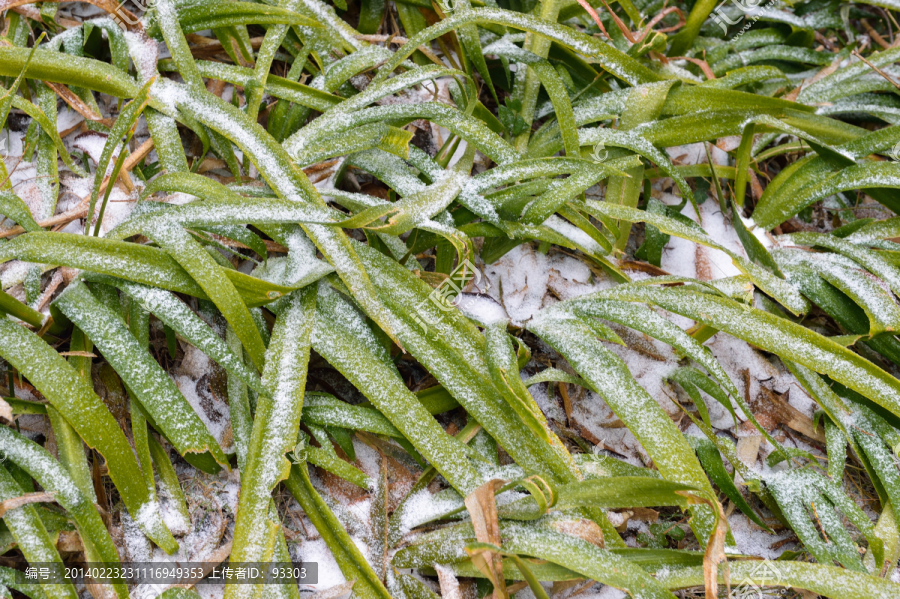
{"x": 661, "y": 329}
{"x": 552, "y": 83}
{"x": 705, "y": 126}
{"x": 530, "y": 168}
{"x": 825, "y": 580}
{"x": 15, "y": 209}
{"x": 126, "y": 120}
{"x": 70, "y": 450}
{"x": 343, "y": 338}
{"x": 453, "y": 350}
{"x": 325, "y": 410}
{"x": 350, "y": 560}
{"x": 168, "y": 480}
{"x": 419, "y": 207}
{"x": 158, "y": 394}
{"x": 504, "y": 371}
{"x": 870, "y": 259}
{"x": 776, "y": 335}
{"x": 278, "y": 87}
{"x": 274, "y": 428}
{"x": 271, "y": 43}
{"x": 203, "y": 269}
{"x": 31, "y": 536}
{"x": 47, "y": 65}
{"x": 288, "y": 182}
{"x": 238, "y": 233}
{"x": 619, "y": 64}
{"x": 862, "y": 176}
{"x": 225, "y": 212}
{"x": 44, "y": 158}
{"x": 609, "y": 377}
{"x": 779, "y": 200}
{"x": 374, "y": 135}
{"x": 545, "y": 205}
{"x": 396, "y": 174}
{"x": 778, "y": 288}
{"x": 796, "y": 490}
{"x": 53, "y": 143}
{"x": 131, "y": 261}
{"x": 652, "y": 560}
{"x": 167, "y": 20}
{"x": 215, "y": 14}
{"x": 777, "y": 52}
{"x": 468, "y": 128}
{"x": 239, "y": 404}
{"x": 176, "y": 315}
{"x": 8, "y": 95}
{"x": 326, "y": 457}
{"x": 140, "y": 436}
{"x": 77, "y": 402}
{"x": 39, "y": 464}
{"x": 383, "y": 89}
{"x": 191, "y": 183}
{"x": 873, "y": 451}
{"x": 860, "y": 286}
{"x": 542, "y": 542}
{"x": 615, "y": 492}
{"x": 12, "y": 579}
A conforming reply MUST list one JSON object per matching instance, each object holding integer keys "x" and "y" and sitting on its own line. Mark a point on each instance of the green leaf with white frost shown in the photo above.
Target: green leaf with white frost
{"x": 543, "y": 542}
{"x": 326, "y": 410}
{"x": 776, "y": 335}
{"x": 350, "y": 560}
{"x": 825, "y": 580}
{"x": 275, "y": 428}
{"x": 31, "y": 536}
{"x": 77, "y": 402}
{"x": 15, "y": 209}
{"x": 453, "y": 349}
{"x": 177, "y": 316}
{"x": 778, "y": 288}
{"x": 131, "y": 261}
{"x": 38, "y": 462}
{"x": 203, "y": 269}
{"x": 608, "y": 376}
{"x": 159, "y": 396}
{"x": 343, "y": 338}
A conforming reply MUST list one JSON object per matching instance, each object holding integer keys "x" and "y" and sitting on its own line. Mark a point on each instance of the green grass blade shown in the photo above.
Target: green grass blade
{"x": 158, "y": 394}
